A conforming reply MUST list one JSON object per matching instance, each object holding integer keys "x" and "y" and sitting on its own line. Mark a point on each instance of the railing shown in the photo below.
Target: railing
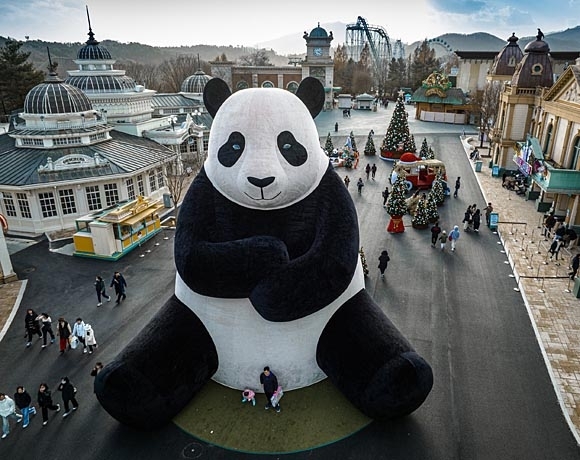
{"x": 61, "y": 125}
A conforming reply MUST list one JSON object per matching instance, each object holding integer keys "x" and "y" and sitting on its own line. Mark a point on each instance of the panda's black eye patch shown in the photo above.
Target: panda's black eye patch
{"x": 292, "y": 151}
{"x": 232, "y": 150}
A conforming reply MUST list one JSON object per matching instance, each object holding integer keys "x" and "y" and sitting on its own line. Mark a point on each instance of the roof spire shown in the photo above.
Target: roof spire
{"x": 91, "y": 40}
{"x": 52, "y": 75}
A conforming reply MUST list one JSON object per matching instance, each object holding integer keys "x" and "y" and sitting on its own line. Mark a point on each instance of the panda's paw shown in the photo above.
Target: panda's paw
{"x": 398, "y": 388}
{"x": 135, "y": 400}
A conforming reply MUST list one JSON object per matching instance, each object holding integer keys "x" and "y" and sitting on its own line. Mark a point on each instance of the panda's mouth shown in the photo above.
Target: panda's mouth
{"x": 262, "y": 197}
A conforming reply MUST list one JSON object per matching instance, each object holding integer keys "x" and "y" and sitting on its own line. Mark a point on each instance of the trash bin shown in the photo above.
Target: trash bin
{"x": 576, "y": 288}
{"x": 167, "y": 200}
{"x": 493, "y": 220}
{"x": 478, "y": 165}
{"x": 495, "y": 171}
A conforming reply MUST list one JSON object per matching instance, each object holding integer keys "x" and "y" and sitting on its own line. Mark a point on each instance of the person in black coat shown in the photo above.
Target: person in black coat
{"x": 45, "y": 402}
{"x": 575, "y": 265}
{"x": 269, "y": 382}
{"x": 476, "y": 219}
{"x": 68, "y": 395}
{"x": 31, "y": 325}
{"x": 23, "y": 400}
{"x": 435, "y": 231}
{"x": 383, "y": 262}
{"x": 120, "y": 285}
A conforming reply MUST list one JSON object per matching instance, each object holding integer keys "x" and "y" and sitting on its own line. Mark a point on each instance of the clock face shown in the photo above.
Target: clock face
{"x": 317, "y": 51}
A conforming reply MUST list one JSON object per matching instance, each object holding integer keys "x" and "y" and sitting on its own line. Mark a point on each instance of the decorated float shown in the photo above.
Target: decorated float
{"x": 420, "y": 174}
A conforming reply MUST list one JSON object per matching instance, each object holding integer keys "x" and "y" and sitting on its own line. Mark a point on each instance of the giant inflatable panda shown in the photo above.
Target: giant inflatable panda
{"x": 268, "y": 273}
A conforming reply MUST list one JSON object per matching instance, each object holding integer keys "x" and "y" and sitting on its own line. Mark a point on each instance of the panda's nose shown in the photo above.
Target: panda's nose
{"x": 261, "y": 182}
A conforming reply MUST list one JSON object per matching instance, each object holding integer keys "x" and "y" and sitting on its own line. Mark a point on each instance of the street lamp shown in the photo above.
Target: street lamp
{"x": 173, "y": 120}
{"x": 195, "y": 114}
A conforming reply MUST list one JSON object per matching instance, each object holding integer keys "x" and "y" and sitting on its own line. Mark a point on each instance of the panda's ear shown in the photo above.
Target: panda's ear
{"x": 215, "y": 93}
{"x": 311, "y": 92}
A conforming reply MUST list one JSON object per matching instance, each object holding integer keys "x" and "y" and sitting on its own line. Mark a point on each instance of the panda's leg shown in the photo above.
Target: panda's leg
{"x": 160, "y": 370}
{"x": 370, "y": 361}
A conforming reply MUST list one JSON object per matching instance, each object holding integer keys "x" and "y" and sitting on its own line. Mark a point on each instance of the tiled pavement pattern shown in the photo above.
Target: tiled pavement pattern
{"x": 555, "y": 312}
{"x": 551, "y": 303}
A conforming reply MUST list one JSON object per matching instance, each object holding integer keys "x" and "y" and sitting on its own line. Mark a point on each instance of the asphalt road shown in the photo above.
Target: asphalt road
{"x": 492, "y": 397}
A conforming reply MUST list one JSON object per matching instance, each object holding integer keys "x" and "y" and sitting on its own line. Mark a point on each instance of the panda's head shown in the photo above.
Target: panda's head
{"x": 264, "y": 151}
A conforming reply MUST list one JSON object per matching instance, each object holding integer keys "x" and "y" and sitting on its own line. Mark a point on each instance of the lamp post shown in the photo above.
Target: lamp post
{"x": 196, "y": 114}
{"x": 173, "y": 120}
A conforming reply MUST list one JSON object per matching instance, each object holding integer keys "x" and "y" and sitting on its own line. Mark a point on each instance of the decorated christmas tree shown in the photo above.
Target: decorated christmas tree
{"x": 424, "y": 149}
{"x": 352, "y": 141}
{"x": 329, "y": 146}
{"x": 370, "y": 145}
{"x": 431, "y": 207}
{"x": 397, "y": 206}
{"x": 420, "y": 218}
{"x": 398, "y": 139}
{"x": 363, "y": 261}
{"x": 430, "y": 154}
{"x": 437, "y": 190}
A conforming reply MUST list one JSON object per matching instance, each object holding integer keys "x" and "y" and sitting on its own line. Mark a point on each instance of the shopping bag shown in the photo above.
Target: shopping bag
{"x": 276, "y": 397}
{"x": 74, "y": 342}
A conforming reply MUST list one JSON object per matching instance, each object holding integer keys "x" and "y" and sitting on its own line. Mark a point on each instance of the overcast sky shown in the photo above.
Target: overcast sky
{"x": 231, "y": 22}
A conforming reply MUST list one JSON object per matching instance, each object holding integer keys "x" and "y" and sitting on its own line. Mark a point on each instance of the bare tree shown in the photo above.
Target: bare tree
{"x": 175, "y": 70}
{"x": 486, "y": 105}
{"x": 256, "y": 58}
{"x": 143, "y": 74}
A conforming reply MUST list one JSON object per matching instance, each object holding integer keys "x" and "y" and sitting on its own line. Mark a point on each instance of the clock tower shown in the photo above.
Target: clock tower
{"x": 318, "y": 62}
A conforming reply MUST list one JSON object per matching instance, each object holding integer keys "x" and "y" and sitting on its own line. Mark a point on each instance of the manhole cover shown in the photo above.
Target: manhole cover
{"x": 29, "y": 270}
{"x": 193, "y": 450}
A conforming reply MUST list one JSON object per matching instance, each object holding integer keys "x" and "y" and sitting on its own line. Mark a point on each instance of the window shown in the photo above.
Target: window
{"x": 67, "y": 140}
{"x": 241, "y": 85}
{"x": 23, "y": 205}
{"x": 548, "y": 138}
{"x": 47, "y": 204}
{"x": 537, "y": 69}
{"x": 140, "y": 185}
{"x": 93, "y": 197}
{"x": 32, "y": 142}
{"x": 267, "y": 84}
{"x": 292, "y": 87}
{"x": 96, "y": 137}
{"x": 160, "y": 178}
{"x": 575, "y": 154}
{"x": 130, "y": 189}
{"x": 152, "y": 183}
{"x": 111, "y": 194}
{"x": 9, "y": 205}
{"x": 183, "y": 147}
{"x": 205, "y": 142}
{"x": 67, "y": 201}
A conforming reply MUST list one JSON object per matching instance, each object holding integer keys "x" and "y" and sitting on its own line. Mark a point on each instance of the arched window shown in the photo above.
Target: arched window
{"x": 292, "y": 87}
{"x": 548, "y": 138}
{"x": 267, "y": 84}
{"x": 575, "y": 154}
{"x": 241, "y": 85}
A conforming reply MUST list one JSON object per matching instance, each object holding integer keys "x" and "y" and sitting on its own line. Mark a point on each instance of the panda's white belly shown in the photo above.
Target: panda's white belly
{"x": 246, "y": 342}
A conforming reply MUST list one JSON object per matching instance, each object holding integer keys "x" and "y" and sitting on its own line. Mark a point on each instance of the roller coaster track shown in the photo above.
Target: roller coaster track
{"x": 377, "y": 38}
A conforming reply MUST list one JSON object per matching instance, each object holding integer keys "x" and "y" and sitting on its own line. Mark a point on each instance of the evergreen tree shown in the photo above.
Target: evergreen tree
{"x": 353, "y": 142}
{"x": 363, "y": 261}
{"x": 420, "y": 219}
{"x": 17, "y": 77}
{"x": 437, "y": 190}
{"x": 431, "y": 207}
{"x": 430, "y": 154}
{"x": 396, "y": 204}
{"x": 370, "y": 145}
{"x": 424, "y": 148}
{"x": 398, "y": 131}
{"x": 424, "y": 62}
{"x": 329, "y": 146}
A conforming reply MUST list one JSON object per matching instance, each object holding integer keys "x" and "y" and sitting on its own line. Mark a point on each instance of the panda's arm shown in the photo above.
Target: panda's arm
{"x": 229, "y": 269}
{"x": 310, "y": 282}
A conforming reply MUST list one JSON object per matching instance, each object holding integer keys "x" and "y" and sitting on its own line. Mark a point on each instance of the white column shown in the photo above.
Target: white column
{"x": 5, "y": 262}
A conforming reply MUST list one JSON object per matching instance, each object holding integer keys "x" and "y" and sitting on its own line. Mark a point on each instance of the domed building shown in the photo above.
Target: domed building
{"x": 63, "y": 167}
{"x": 504, "y": 64}
{"x": 195, "y": 84}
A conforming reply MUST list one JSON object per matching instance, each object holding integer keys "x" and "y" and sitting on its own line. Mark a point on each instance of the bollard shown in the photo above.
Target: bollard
{"x": 568, "y": 287}
{"x": 531, "y": 260}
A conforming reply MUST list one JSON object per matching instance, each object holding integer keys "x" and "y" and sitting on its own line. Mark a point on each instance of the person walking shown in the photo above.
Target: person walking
{"x": 373, "y": 171}
{"x": 549, "y": 223}
{"x": 385, "y": 196}
{"x": 120, "y": 285}
{"x": 269, "y": 383}
{"x": 359, "y": 185}
{"x": 488, "y": 210}
{"x": 336, "y": 127}
{"x": 45, "y": 402}
{"x": 46, "y": 328}
{"x": 23, "y": 400}
{"x": 435, "y": 231}
{"x": 368, "y": 170}
{"x": 476, "y": 219}
{"x": 68, "y": 395}
{"x": 63, "y": 331}
{"x": 80, "y": 332}
{"x": 383, "y": 262}
{"x": 574, "y": 264}
{"x": 7, "y": 410}
{"x": 100, "y": 287}
{"x": 98, "y": 367}
{"x": 31, "y": 326}
{"x": 443, "y": 240}
{"x": 346, "y": 181}
{"x": 457, "y": 187}
{"x": 454, "y": 236}
{"x": 555, "y": 247}
{"x": 90, "y": 339}
{"x": 467, "y": 218}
